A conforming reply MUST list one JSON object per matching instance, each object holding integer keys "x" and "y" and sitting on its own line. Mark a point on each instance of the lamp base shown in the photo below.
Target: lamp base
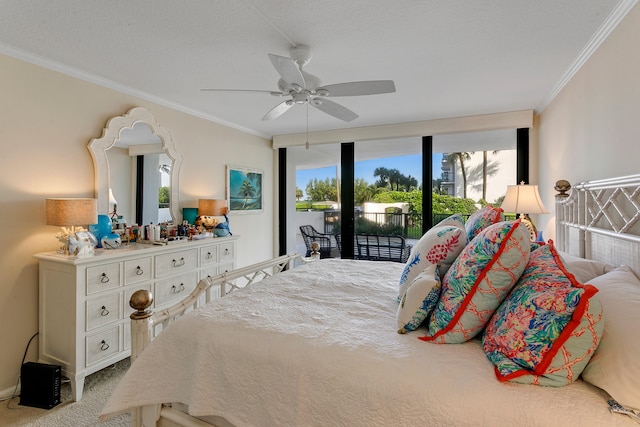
{"x": 533, "y": 233}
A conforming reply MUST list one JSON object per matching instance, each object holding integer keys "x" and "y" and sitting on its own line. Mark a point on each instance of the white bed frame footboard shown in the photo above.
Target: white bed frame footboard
{"x": 600, "y": 220}
{"x": 145, "y": 324}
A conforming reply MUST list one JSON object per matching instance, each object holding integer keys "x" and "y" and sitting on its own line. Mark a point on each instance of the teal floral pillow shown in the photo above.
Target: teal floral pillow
{"x": 481, "y": 219}
{"x": 478, "y": 281}
{"x": 548, "y": 328}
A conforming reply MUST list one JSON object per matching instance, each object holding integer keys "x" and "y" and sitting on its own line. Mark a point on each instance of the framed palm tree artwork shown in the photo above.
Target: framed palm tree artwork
{"x": 244, "y": 189}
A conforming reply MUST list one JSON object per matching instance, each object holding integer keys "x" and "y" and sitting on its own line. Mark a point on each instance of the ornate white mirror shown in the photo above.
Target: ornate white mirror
{"x": 134, "y": 158}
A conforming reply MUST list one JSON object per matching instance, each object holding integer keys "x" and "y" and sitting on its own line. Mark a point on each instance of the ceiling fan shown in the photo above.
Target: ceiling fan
{"x": 301, "y": 87}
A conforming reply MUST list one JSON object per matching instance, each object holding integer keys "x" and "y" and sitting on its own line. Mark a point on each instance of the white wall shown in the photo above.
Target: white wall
{"x": 47, "y": 120}
{"x": 590, "y": 130}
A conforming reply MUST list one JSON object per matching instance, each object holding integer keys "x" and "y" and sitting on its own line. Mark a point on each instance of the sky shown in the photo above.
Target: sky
{"x": 407, "y": 165}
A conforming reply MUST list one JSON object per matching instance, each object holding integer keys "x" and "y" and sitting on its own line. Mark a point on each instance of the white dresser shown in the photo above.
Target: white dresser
{"x": 84, "y": 302}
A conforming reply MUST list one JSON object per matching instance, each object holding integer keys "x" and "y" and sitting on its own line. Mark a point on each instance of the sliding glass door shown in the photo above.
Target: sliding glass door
{"x": 472, "y": 170}
{"x": 387, "y": 195}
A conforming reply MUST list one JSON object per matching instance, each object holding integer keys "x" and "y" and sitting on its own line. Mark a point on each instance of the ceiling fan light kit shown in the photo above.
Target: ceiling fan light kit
{"x": 305, "y": 88}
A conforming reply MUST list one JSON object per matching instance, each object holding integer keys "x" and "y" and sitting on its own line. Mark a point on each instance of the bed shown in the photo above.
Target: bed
{"x": 317, "y": 343}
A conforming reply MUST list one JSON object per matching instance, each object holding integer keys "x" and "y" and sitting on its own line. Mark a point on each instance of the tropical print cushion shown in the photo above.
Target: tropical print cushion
{"x": 478, "y": 281}
{"x": 419, "y": 299}
{"x": 440, "y": 245}
{"x": 455, "y": 220}
{"x": 548, "y": 328}
{"x": 481, "y": 219}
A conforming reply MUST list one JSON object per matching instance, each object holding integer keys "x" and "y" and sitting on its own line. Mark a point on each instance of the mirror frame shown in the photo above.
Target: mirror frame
{"x": 98, "y": 148}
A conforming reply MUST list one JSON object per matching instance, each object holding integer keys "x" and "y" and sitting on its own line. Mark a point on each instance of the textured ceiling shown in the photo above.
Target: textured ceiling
{"x": 447, "y": 58}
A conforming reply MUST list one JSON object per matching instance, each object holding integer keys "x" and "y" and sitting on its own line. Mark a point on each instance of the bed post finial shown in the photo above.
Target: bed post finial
{"x": 562, "y": 186}
{"x": 140, "y": 301}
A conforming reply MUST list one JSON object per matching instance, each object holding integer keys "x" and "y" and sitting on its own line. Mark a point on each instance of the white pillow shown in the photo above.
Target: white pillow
{"x": 419, "y": 299}
{"x": 439, "y": 245}
{"x": 584, "y": 269}
{"x": 615, "y": 366}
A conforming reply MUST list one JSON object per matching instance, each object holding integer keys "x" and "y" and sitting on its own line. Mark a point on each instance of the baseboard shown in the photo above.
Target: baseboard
{"x": 8, "y": 392}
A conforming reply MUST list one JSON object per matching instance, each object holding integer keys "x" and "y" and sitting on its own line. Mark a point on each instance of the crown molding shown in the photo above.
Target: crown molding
{"x": 110, "y": 84}
{"x": 610, "y": 24}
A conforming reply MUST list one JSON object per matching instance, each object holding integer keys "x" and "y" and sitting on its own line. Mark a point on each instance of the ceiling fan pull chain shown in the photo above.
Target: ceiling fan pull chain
{"x": 307, "y": 144}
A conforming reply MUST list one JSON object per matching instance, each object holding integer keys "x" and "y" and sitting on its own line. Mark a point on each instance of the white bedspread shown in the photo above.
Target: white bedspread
{"x": 317, "y": 346}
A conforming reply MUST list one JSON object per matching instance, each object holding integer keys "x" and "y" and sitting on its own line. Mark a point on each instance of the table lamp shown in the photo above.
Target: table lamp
{"x": 208, "y": 208}
{"x": 73, "y": 213}
{"x": 212, "y": 207}
{"x": 524, "y": 199}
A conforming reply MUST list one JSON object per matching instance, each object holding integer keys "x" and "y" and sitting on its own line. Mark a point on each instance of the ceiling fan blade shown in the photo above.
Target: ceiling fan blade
{"x": 334, "y": 109}
{"x": 372, "y": 87}
{"x": 288, "y": 70}
{"x": 270, "y": 92}
{"x": 278, "y": 110}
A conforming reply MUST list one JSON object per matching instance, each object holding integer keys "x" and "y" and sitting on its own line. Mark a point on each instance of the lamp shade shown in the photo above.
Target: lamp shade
{"x": 212, "y": 207}
{"x": 72, "y": 212}
{"x": 523, "y": 198}
{"x": 112, "y": 198}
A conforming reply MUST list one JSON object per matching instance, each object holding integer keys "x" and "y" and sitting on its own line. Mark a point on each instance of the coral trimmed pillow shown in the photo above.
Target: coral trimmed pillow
{"x": 548, "y": 328}
{"x": 614, "y": 367}
{"x": 478, "y": 281}
{"x": 481, "y": 219}
{"x": 419, "y": 299}
{"x": 440, "y": 245}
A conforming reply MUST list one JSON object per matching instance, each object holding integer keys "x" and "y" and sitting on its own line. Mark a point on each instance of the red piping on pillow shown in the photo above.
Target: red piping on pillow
{"x": 577, "y": 315}
{"x": 474, "y": 288}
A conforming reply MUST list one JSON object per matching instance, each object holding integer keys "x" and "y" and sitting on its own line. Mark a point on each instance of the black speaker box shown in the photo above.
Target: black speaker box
{"x": 40, "y": 385}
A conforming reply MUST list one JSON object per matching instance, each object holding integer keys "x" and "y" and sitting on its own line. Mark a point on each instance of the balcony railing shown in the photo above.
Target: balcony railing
{"x": 407, "y": 225}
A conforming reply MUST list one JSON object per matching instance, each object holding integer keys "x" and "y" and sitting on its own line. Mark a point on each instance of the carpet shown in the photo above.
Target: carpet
{"x": 97, "y": 388}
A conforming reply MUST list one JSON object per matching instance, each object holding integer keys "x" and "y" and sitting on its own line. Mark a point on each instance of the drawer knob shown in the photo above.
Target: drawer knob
{"x": 178, "y": 263}
{"x": 103, "y": 311}
{"x": 104, "y": 346}
{"x": 178, "y": 289}
{"x": 139, "y": 271}
{"x": 226, "y": 251}
{"x": 104, "y": 278}
{"x": 209, "y": 255}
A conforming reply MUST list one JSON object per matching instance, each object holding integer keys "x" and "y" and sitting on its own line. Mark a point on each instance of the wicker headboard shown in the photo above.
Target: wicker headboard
{"x": 600, "y": 220}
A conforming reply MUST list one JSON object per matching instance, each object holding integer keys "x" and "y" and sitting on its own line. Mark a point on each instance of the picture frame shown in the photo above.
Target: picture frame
{"x": 244, "y": 190}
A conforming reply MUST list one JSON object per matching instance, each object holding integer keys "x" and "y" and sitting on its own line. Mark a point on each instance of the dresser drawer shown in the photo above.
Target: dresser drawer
{"x": 209, "y": 255}
{"x": 176, "y": 262}
{"x": 103, "y": 277}
{"x": 225, "y": 268}
{"x": 226, "y": 252}
{"x": 103, "y": 344}
{"x": 137, "y": 270}
{"x": 209, "y": 272}
{"x": 103, "y": 310}
{"x": 174, "y": 288}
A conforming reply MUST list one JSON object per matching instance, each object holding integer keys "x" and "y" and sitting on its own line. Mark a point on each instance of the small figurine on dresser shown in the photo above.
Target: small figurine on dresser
{"x": 315, "y": 251}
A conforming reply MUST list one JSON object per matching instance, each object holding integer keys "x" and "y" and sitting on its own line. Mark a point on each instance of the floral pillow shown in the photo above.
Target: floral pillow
{"x": 481, "y": 219}
{"x": 455, "y": 220}
{"x": 419, "y": 299}
{"x": 440, "y": 245}
{"x": 478, "y": 281}
{"x": 548, "y": 328}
